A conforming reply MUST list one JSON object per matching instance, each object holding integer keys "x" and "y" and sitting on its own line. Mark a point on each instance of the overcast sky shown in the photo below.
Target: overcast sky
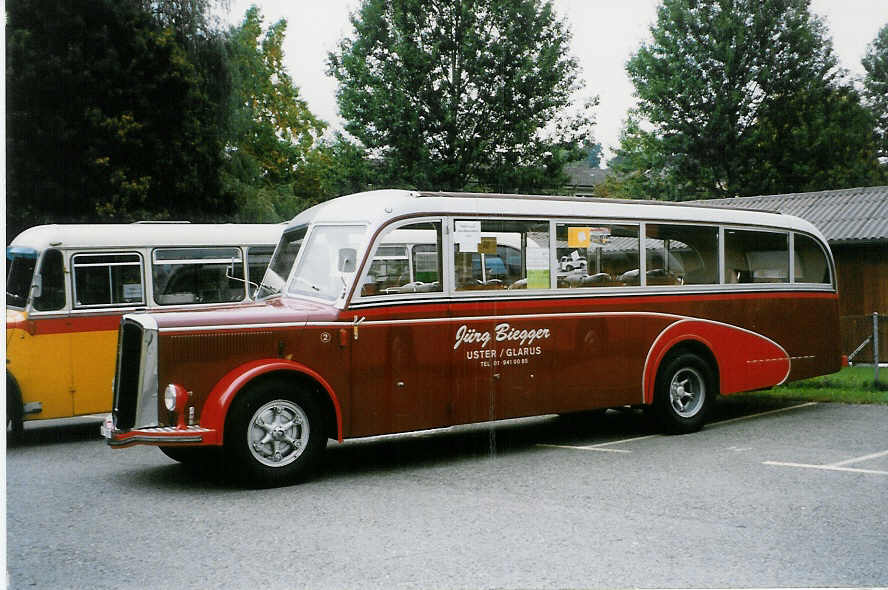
{"x": 605, "y": 34}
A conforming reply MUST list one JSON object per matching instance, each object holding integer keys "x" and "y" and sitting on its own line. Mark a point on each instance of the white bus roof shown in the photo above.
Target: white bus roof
{"x": 377, "y": 207}
{"x": 135, "y": 235}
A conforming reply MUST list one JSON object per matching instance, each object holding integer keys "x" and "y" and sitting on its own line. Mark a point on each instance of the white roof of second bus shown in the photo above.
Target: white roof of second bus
{"x": 134, "y": 235}
{"x": 376, "y": 207}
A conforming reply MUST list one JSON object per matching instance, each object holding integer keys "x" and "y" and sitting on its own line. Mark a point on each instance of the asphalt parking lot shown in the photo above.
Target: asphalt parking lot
{"x": 766, "y": 495}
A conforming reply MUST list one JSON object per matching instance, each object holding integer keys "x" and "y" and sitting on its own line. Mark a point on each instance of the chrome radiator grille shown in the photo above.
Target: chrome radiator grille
{"x": 127, "y": 382}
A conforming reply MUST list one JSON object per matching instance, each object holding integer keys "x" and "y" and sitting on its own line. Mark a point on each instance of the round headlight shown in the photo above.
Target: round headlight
{"x": 169, "y": 397}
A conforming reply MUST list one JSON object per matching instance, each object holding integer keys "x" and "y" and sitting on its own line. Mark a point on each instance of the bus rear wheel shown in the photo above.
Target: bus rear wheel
{"x": 684, "y": 391}
{"x": 274, "y": 435}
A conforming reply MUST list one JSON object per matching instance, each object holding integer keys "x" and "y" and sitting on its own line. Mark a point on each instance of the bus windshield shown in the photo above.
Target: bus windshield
{"x": 329, "y": 262}
{"x": 281, "y": 262}
{"x": 19, "y": 273}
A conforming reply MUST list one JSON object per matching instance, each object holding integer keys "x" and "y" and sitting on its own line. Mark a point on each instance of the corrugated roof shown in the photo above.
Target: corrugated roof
{"x": 845, "y": 215}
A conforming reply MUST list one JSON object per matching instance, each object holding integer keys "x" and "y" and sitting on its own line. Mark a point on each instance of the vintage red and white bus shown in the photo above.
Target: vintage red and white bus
{"x": 394, "y": 311}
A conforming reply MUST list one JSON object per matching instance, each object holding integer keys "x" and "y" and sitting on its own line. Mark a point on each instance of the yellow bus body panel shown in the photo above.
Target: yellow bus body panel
{"x": 93, "y": 356}
{"x": 65, "y": 364}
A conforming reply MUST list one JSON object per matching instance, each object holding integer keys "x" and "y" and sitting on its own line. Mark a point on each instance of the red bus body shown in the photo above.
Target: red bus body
{"x": 435, "y": 359}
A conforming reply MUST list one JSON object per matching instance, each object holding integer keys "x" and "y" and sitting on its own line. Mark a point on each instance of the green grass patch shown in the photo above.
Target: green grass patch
{"x": 851, "y": 385}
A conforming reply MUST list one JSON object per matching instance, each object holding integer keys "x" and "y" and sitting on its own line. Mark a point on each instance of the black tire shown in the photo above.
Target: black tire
{"x": 15, "y": 426}
{"x": 274, "y": 435}
{"x": 192, "y": 455}
{"x": 685, "y": 389}
{"x": 583, "y": 415}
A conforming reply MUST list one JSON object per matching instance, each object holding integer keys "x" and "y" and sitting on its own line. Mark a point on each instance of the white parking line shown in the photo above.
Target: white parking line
{"x": 586, "y": 448}
{"x": 598, "y": 447}
{"x": 777, "y": 411}
{"x": 859, "y": 459}
{"x": 825, "y": 467}
{"x": 838, "y": 465}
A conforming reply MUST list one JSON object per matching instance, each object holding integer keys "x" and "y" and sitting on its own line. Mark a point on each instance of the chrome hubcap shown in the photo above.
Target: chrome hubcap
{"x": 278, "y": 433}
{"x": 687, "y": 391}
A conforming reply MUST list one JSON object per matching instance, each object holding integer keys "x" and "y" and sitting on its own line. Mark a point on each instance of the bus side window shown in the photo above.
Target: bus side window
{"x": 756, "y": 256}
{"x": 594, "y": 254}
{"x": 107, "y": 279}
{"x": 489, "y": 255}
{"x": 258, "y": 258}
{"x": 184, "y": 276}
{"x": 407, "y": 259}
{"x": 681, "y": 254}
{"x": 51, "y": 281}
{"x": 810, "y": 261}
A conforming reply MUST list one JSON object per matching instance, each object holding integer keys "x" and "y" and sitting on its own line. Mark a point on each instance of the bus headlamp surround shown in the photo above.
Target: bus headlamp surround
{"x": 174, "y": 397}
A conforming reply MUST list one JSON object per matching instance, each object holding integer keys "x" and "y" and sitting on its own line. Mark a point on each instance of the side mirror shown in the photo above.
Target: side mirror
{"x": 347, "y": 261}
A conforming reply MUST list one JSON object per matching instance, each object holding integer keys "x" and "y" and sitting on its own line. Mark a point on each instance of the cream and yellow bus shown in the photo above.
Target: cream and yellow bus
{"x": 67, "y": 287}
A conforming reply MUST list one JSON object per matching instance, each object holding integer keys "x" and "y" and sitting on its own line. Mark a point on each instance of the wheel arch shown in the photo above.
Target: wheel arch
{"x": 216, "y": 408}
{"x": 661, "y": 351}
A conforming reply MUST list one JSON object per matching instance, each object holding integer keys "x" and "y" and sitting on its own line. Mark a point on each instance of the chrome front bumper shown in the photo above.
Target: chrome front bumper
{"x": 157, "y": 436}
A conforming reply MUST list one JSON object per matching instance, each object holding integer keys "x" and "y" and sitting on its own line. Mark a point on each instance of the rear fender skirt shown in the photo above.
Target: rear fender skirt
{"x": 746, "y": 360}
{"x": 216, "y": 407}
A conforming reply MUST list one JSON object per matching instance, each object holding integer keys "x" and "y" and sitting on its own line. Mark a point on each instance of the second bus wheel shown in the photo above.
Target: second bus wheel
{"x": 15, "y": 428}
{"x": 274, "y": 434}
{"x": 684, "y": 391}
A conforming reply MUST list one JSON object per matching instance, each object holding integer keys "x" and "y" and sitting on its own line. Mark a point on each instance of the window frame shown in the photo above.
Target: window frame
{"x": 721, "y": 229}
{"x": 194, "y": 261}
{"x": 592, "y": 222}
{"x": 370, "y": 252}
{"x": 65, "y": 308}
{"x": 719, "y": 254}
{"x": 467, "y": 294}
{"x": 827, "y": 257}
{"x": 763, "y": 286}
{"x": 75, "y": 306}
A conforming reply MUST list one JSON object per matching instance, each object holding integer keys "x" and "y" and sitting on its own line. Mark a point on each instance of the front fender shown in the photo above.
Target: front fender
{"x": 219, "y": 401}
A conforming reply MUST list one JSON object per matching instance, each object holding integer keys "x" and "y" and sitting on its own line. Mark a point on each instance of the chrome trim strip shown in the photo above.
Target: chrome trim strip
{"x": 154, "y": 439}
{"x": 489, "y": 318}
{"x": 230, "y": 327}
{"x": 605, "y": 292}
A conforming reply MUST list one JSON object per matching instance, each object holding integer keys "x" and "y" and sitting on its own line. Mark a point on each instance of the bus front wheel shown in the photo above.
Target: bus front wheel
{"x": 684, "y": 391}
{"x": 191, "y": 455}
{"x": 275, "y": 435}
{"x": 15, "y": 428}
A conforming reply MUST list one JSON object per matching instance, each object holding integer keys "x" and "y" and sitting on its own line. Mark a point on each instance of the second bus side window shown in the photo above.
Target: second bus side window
{"x": 107, "y": 280}
{"x": 198, "y": 275}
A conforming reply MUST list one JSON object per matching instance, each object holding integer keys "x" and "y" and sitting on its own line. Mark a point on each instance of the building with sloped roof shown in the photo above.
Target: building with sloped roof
{"x": 855, "y": 223}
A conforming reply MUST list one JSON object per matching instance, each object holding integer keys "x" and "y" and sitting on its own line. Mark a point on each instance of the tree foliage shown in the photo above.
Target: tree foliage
{"x": 192, "y": 20}
{"x": 271, "y": 148}
{"x": 741, "y": 97}
{"x": 107, "y": 118}
{"x": 875, "y": 84}
{"x": 440, "y": 94}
